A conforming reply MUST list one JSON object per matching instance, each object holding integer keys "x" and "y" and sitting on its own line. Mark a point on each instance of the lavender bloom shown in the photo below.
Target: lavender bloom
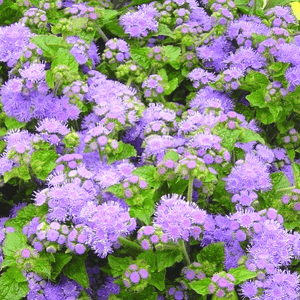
{"x": 66, "y": 201}
{"x": 242, "y": 30}
{"x": 179, "y": 219}
{"x": 214, "y": 54}
{"x": 65, "y": 289}
{"x": 245, "y": 58}
{"x": 14, "y": 39}
{"x": 206, "y": 95}
{"x": 288, "y": 53}
{"x": 292, "y": 76}
{"x": 282, "y": 284}
{"x": 251, "y": 174}
{"x": 107, "y": 289}
{"x": 200, "y": 77}
{"x": 104, "y": 224}
{"x": 138, "y": 24}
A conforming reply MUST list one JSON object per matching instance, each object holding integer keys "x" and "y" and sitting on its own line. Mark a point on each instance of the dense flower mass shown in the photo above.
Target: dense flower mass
{"x": 149, "y": 150}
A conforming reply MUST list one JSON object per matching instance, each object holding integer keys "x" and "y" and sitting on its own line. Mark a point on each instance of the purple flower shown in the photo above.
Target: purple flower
{"x": 179, "y": 218}
{"x": 138, "y": 24}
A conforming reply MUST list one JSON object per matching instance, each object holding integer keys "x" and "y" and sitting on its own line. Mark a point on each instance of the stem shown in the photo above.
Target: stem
{"x": 101, "y": 33}
{"x": 295, "y": 33}
{"x": 190, "y": 189}
{"x": 129, "y": 81}
{"x": 206, "y": 36}
{"x": 130, "y": 244}
{"x": 286, "y": 189}
{"x": 254, "y": 7}
{"x": 56, "y": 87}
{"x": 184, "y": 252}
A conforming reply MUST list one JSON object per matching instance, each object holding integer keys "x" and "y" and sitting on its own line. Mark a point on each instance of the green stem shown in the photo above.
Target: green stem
{"x": 212, "y": 31}
{"x": 254, "y": 7}
{"x": 129, "y": 81}
{"x": 295, "y": 33}
{"x": 101, "y": 33}
{"x": 286, "y": 189}
{"x": 190, "y": 189}
{"x": 184, "y": 252}
{"x": 130, "y": 244}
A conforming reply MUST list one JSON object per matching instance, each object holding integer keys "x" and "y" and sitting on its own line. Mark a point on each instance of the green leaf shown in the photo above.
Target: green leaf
{"x": 13, "y": 285}
{"x": 13, "y": 242}
{"x": 163, "y": 74}
{"x": 275, "y": 111}
{"x": 49, "y": 44}
{"x": 49, "y": 79}
{"x": 171, "y": 155}
{"x": 76, "y": 270}
{"x": 278, "y": 68}
{"x": 254, "y": 81}
{"x": 164, "y": 30}
{"x": 242, "y": 274}
{"x": 109, "y": 15}
{"x": 115, "y": 29}
{"x": 64, "y": 57}
{"x": 147, "y": 173}
{"x": 173, "y": 56}
{"x": 9, "y": 261}
{"x": 146, "y": 210}
{"x": 150, "y": 258}
{"x": 264, "y": 115}
{"x": 249, "y": 136}
{"x": 61, "y": 259}
{"x": 157, "y": 279}
{"x": 43, "y": 162}
{"x": 116, "y": 189}
{"x": 118, "y": 265}
{"x": 172, "y": 86}
{"x": 290, "y": 225}
{"x": 139, "y": 2}
{"x": 213, "y": 253}
{"x": 273, "y": 3}
{"x": 178, "y": 186}
{"x": 140, "y": 56}
{"x": 26, "y": 214}
{"x": 12, "y": 123}
{"x": 167, "y": 258}
{"x": 42, "y": 267}
{"x": 21, "y": 172}
{"x": 201, "y": 287}
{"x": 291, "y": 153}
{"x": 257, "y": 98}
{"x": 124, "y": 151}
{"x": 229, "y": 137}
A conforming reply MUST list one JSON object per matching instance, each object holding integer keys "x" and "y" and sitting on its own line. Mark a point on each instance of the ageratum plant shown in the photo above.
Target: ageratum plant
{"x": 149, "y": 150}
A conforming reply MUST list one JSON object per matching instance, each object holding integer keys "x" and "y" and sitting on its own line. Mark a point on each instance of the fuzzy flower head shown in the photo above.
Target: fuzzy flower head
{"x": 104, "y": 224}
{"x": 14, "y": 39}
{"x": 201, "y": 77}
{"x": 179, "y": 219}
{"x": 251, "y": 174}
{"x": 138, "y": 24}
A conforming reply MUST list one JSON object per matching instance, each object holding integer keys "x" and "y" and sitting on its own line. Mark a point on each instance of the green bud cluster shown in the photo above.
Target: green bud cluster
{"x": 63, "y": 76}
{"x": 131, "y": 70}
{"x": 137, "y": 275}
{"x": 191, "y": 166}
